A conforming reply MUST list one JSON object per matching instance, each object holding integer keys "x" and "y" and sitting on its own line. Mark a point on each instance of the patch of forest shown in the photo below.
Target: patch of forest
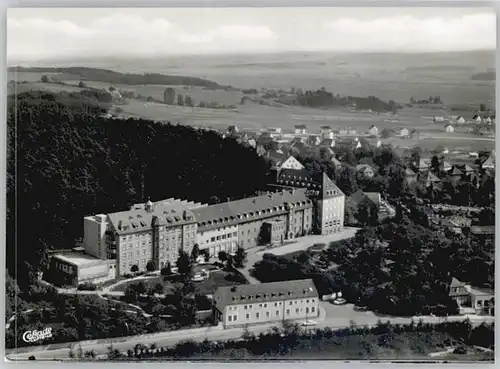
{"x": 484, "y": 76}
{"x": 112, "y": 77}
{"x": 66, "y": 160}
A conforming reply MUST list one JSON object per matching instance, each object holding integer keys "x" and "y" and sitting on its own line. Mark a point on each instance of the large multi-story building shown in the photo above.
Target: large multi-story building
{"x": 266, "y": 303}
{"x": 155, "y": 232}
{"x": 224, "y": 227}
{"x": 329, "y": 200}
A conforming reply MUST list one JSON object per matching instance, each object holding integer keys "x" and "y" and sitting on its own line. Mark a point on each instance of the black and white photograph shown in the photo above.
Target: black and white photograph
{"x": 250, "y": 184}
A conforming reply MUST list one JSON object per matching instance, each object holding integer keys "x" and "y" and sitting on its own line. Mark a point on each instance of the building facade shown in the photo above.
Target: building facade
{"x": 74, "y": 268}
{"x": 266, "y": 303}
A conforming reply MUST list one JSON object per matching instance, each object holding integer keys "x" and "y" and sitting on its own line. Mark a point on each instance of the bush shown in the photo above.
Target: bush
{"x": 461, "y": 350}
{"x": 236, "y": 277}
{"x": 87, "y": 286}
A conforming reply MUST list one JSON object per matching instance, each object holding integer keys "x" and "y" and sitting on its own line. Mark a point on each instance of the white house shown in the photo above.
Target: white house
{"x": 301, "y": 129}
{"x": 404, "y": 132}
{"x": 476, "y": 119}
{"x": 373, "y": 131}
{"x": 460, "y": 120}
{"x": 438, "y": 119}
{"x": 449, "y": 128}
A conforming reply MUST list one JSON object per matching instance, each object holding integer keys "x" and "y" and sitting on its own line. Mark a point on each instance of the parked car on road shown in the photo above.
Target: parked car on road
{"x": 339, "y": 301}
{"x": 308, "y": 323}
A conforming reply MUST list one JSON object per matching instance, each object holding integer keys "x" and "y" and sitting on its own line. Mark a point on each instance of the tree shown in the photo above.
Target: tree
{"x": 45, "y": 79}
{"x": 222, "y": 256}
{"x": 188, "y": 101}
{"x": 229, "y": 262}
{"x": 184, "y": 264}
{"x": 150, "y": 266}
{"x": 195, "y": 252}
{"x": 158, "y": 289}
{"x": 206, "y": 255}
{"x": 81, "y": 84}
{"x": 134, "y": 268}
{"x": 167, "y": 270}
{"x": 436, "y": 165}
{"x": 482, "y": 107}
{"x": 240, "y": 257}
{"x": 180, "y": 100}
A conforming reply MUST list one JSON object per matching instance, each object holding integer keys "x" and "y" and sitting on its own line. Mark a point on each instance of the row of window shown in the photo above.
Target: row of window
{"x": 223, "y": 237}
{"x": 146, "y": 236}
{"x": 234, "y": 318}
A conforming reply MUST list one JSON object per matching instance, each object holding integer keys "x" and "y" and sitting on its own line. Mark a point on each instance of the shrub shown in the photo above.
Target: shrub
{"x": 87, "y": 286}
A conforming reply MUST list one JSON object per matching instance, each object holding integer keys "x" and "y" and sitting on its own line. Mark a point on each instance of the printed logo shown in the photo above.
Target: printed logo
{"x": 34, "y": 336}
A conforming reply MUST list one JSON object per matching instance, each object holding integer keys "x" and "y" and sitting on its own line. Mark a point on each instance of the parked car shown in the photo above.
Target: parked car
{"x": 339, "y": 301}
{"x": 308, "y": 323}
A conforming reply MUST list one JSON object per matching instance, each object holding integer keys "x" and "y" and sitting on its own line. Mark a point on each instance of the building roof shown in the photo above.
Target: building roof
{"x": 328, "y": 142}
{"x": 466, "y": 289}
{"x": 250, "y": 209}
{"x": 489, "y": 163}
{"x": 300, "y": 126}
{"x": 138, "y": 218}
{"x": 482, "y": 230}
{"x": 291, "y": 163}
{"x": 336, "y": 162}
{"x": 80, "y": 259}
{"x": 329, "y": 189}
{"x": 409, "y": 172}
{"x": 264, "y": 292}
{"x": 363, "y": 167}
{"x": 455, "y": 171}
{"x": 359, "y": 196}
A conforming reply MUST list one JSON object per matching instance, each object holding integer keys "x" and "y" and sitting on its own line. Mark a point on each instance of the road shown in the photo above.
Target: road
{"x": 166, "y": 339}
{"x": 255, "y": 255}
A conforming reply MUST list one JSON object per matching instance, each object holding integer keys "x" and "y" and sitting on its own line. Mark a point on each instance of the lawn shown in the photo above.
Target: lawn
{"x": 218, "y": 278}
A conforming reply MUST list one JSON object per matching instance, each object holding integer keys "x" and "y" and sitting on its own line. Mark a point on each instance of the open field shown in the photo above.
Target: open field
{"x": 387, "y": 76}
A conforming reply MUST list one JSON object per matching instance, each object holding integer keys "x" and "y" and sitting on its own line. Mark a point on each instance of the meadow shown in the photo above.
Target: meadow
{"x": 388, "y": 76}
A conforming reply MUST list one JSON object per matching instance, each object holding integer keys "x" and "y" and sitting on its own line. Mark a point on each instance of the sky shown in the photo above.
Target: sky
{"x": 38, "y": 34}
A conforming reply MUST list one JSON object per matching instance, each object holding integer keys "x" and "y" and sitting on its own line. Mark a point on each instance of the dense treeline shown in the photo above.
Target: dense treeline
{"x": 381, "y": 341}
{"x": 324, "y": 99}
{"x": 398, "y": 268}
{"x": 66, "y": 161}
{"x": 112, "y": 77}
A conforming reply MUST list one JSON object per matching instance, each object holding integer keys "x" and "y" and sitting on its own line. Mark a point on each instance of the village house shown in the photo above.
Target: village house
{"x": 438, "y": 119}
{"x": 422, "y": 165}
{"x": 275, "y": 132}
{"x": 460, "y": 120}
{"x": 489, "y": 163}
{"x": 373, "y": 131}
{"x": 410, "y": 176}
{"x": 449, "y": 128}
{"x": 455, "y": 174}
{"x": 336, "y": 163}
{"x": 313, "y": 140}
{"x": 328, "y": 142}
{"x": 365, "y": 171}
{"x": 404, "y": 133}
{"x": 476, "y": 119}
{"x": 372, "y": 200}
{"x": 472, "y": 300}
{"x": 300, "y": 129}
{"x": 428, "y": 179}
{"x": 326, "y": 132}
